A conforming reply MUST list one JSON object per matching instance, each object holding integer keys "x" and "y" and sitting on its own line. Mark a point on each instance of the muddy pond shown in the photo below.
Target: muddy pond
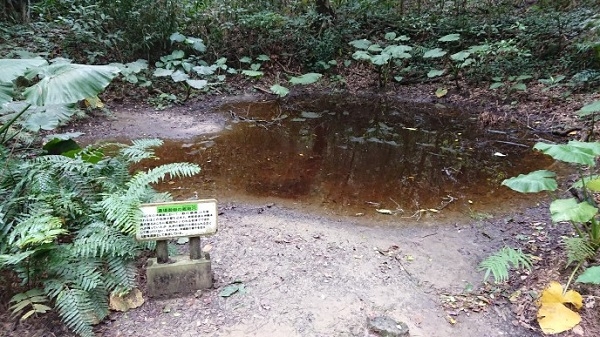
{"x": 343, "y": 155}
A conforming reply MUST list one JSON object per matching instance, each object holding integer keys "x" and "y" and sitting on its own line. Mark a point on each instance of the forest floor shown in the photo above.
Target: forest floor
{"x": 306, "y": 273}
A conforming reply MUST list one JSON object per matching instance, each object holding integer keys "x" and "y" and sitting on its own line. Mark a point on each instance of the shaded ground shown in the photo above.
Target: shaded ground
{"x": 310, "y": 274}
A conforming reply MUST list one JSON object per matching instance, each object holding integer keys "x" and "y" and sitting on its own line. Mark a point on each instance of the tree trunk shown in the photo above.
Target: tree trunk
{"x": 324, "y": 8}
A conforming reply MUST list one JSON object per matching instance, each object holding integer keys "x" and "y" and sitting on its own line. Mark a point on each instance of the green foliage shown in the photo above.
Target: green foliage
{"x": 578, "y": 249}
{"x": 533, "y": 182}
{"x": 499, "y": 263}
{"x": 69, "y": 225}
{"x": 590, "y": 275}
{"x": 581, "y": 212}
{"x": 33, "y": 300}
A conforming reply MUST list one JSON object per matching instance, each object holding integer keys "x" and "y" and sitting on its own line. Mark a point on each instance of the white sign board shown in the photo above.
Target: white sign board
{"x": 178, "y": 219}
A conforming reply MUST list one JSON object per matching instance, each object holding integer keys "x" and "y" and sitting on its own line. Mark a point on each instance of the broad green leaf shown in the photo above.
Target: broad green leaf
{"x": 449, "y": 38}
{"x": 519, "y": 87}
{"x": 162, "y": 72}
{"x": 398, "y": 78}
{"x": 252, "y": 73}
{"x": 263, "y": 57}
{"x": 533, "y": 182}
{"x": 590, "y": 275}
{"x": 246, "y": 59}
{"x": 306, "y": 78}
{"x": 571, "y": 210}
{"x": 374, "y": 48}
{"x": 467, "y": 62}
{"x": 255, "y": 66}
{"x": 360, "y": 44}
{"x": 572, "y": 152}
{"x": 589, "y": 109}
{"x": 380, "y": 59}
{"x": 177, "y": 54}
{"x": 496, "y": 85}
{"x": 137, "y": 66}
{"x": 389, "y": 36}
{"x": 179, "y": 76}
{"x": 398, "y": 51}
{"x": 204, "y": 70}
{"x": 435, "y": 73}
{"x": 177, "y": 37}
{"x": 13, "y": 68}
{"x": 460, "y": 56}
{"x": 402, "y": 38}
{"x": 47, "y": 117}
{"x": 434, "y": 53}
{"x": 522, "y": 78}
{"x": 579, "y": 183}
{"x": 361, "y": 55}
{"x": 6, "y": 92}
{"x": 196, "y": 43}
{"x": 69, "y": 83}
{"x": 197, "y": 84}
{"x": 279, "y": 90}
{"x": 60, "y": 146}
{"x": 593, "y": 185}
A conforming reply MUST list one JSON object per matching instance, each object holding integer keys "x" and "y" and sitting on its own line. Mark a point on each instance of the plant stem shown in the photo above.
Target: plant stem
{"x": 571, "y": 277}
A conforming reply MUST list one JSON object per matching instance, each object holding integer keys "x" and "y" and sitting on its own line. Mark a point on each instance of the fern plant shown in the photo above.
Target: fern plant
{"x": 67, "y": 225}
{"x": 499, "y": 264}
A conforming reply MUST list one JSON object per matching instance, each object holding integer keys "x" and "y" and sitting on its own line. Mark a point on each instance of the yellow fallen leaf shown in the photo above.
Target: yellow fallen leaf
{"x": 94, "y": 102}
{"x": 553, "y": 316}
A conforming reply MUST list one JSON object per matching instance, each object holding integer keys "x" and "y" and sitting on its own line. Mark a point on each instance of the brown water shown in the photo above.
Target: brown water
{"x": 349, "y": 156}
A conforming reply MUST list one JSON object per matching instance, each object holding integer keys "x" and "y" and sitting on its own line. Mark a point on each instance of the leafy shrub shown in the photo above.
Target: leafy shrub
{"x": 67, "y": 215}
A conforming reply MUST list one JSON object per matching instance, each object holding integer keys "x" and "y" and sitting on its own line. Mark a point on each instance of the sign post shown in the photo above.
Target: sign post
{"x": 165, "y": 221}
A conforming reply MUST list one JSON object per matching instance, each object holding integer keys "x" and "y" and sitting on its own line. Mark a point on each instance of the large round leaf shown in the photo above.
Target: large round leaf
{"x": 571, "y": 210}
{"x": 533, "y": 182}
{"x": 13, "y": 68}
{"x": 66, "y": 83}
{"x": 6, "y": 92}
{"x": 573, "y": 152}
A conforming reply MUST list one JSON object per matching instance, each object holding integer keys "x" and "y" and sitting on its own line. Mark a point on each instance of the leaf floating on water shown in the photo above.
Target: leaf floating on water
{"x": 309, "y": 114}
{"x": 384, "y": 211}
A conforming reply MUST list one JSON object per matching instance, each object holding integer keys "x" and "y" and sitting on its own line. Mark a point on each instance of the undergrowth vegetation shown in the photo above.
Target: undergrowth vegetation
{"x": 67, "y": 214}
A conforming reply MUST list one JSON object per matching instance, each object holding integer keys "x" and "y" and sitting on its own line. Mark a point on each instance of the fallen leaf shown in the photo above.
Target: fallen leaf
{"x": 553, "y": 316}
{"x": 123, "y": 303}
{"x": 384, "y": 211}
{"x": 441, "y": 92}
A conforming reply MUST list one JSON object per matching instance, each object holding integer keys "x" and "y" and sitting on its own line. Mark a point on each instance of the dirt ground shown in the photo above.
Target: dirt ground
{"x": 311, "y": 274}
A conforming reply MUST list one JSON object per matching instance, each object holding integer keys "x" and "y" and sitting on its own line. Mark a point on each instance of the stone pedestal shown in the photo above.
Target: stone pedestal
{"x": 181, "y": 276}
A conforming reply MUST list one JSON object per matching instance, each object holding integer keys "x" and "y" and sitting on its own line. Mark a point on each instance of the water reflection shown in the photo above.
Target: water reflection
{"x": 344, "y": 154}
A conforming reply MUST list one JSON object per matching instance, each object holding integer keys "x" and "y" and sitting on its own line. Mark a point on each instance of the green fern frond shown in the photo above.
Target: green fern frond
{"x": 578, "y": 249}
{"x": 102, "y": 241}
{"x": 153, "y": 176}
{"x": 123, "y": 211}
{"x": 140, "y": 150}
{"x": 74, "y": 306}
{"x": 499, "y": 263}
{"x": 121, "y": 276}
{"x": 36, "y": 229}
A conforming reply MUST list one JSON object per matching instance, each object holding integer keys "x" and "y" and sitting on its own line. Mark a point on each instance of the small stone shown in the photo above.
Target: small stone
{"x": 385, "y": 326}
